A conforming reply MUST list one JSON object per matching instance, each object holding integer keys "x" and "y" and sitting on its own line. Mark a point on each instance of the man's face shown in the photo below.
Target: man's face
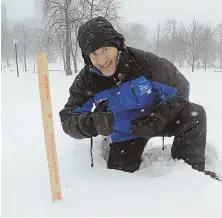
{"x": 105, "y": 59}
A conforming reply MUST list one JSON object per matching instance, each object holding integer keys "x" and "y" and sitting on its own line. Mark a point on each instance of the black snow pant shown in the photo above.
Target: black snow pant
{"x": 189, "y": 131}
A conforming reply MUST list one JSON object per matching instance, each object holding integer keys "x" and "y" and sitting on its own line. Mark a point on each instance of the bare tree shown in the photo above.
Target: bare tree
{"x": 78, "y": 16}
{"x": 191, "y": 36}
{"x": 220, "y": 43}
{"x": 40, "y": 39}
{"x": 69, "y": 14}
{"x": 124, "y": 28}
{"x": 24, "y": 42}
{"x": 74, "y": 45}
{"x": 57, "y": 15}
{"x": 6, "y": 40}
{"x": 157, "y": 39}
{"x": 106, "y": 8}
{"x": 60, "y": 43}
{"x": 21, "y": 32}
{"x": 208, "y": 44}
{"x": 170, "y": 39}
{"x": 136, "y": 35}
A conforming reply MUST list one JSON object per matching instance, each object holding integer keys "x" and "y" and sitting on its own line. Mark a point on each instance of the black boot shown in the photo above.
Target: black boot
{"x": 211, "y": 174}
{"x": 200, "y": 167}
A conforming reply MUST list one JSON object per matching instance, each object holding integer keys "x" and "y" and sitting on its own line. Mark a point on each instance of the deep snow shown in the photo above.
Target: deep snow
{"x": 162, "y": 187}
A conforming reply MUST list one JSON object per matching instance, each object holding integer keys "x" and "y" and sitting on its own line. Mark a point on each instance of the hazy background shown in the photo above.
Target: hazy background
{"x": 147, "y": 12}
{"x": 188, "y": 33}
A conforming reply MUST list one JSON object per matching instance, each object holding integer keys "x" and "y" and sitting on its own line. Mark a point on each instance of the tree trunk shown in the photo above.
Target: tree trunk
{"x": 24, "y": 49}
{"x": 68, "y": 64}
{"x": 63, "y": 57}
{"x": 193, "y": 65}
{"x": 7, "y": 61}
{"x": 220, "y": 45}
{"x": 34, "y": 63}
{"x": 157, "y": 48}
{"x": 74, "y": 54}
{"x": 75, "y": 61}
{"x": 221, "y": 61}
{"x": 73, "y": 57}
{"x": 64, "y": 62}
{"x": 25, "y": 65}
{"x": 75, "y": 65}
{"x": 181, "y": 64}
{"x": 91, "y": 10}
{"x": 205, "y": 58}
{"x": 172, "y": 57}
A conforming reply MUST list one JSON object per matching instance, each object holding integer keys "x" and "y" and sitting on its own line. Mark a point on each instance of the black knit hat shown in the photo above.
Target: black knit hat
{"x": 96, "y": 33}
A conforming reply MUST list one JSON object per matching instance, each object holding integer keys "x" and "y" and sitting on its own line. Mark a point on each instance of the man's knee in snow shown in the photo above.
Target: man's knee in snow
{"x": 120, "y": 160}
{"x": 196, "y": 111}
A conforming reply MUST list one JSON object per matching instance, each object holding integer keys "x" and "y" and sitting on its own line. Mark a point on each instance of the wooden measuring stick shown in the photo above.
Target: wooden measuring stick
{"x": 45, "y": 98}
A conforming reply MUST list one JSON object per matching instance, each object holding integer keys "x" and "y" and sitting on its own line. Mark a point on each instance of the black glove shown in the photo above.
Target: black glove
{"x": 103, "y": 119}
{"x": 85, "y": 125}
{"x": 146, "y": 126}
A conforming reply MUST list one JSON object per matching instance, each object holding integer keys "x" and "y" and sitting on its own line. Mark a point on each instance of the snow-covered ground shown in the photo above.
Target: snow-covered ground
{"x": 162, "y": 187}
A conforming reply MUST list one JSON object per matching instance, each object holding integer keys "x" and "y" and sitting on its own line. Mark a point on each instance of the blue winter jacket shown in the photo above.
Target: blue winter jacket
{"x": 142, "y": 82}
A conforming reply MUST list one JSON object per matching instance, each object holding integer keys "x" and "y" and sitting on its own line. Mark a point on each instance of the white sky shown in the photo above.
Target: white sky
{"x": 147, "y": 12}
{"x": 19, "y": 9}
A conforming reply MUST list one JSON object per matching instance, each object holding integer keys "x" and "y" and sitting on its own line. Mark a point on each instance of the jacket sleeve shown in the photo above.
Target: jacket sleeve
{"x": 171, "y": 86}
{"x": 76, "y": 117}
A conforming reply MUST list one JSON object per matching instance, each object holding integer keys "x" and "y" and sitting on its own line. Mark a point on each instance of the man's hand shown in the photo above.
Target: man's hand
{"x": 103, "y": 119}
{"x": 146, "y": 126}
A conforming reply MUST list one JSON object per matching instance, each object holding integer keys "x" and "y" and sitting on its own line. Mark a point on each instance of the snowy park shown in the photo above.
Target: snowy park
{"x": 111, "y": 108}
{"x": 161, "y": 186}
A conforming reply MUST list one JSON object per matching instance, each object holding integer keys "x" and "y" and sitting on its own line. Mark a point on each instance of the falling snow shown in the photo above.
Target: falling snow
{"x": 98, "y": 191}
{"x": 194, "y": 113}
{"x": 149, "y": 91}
